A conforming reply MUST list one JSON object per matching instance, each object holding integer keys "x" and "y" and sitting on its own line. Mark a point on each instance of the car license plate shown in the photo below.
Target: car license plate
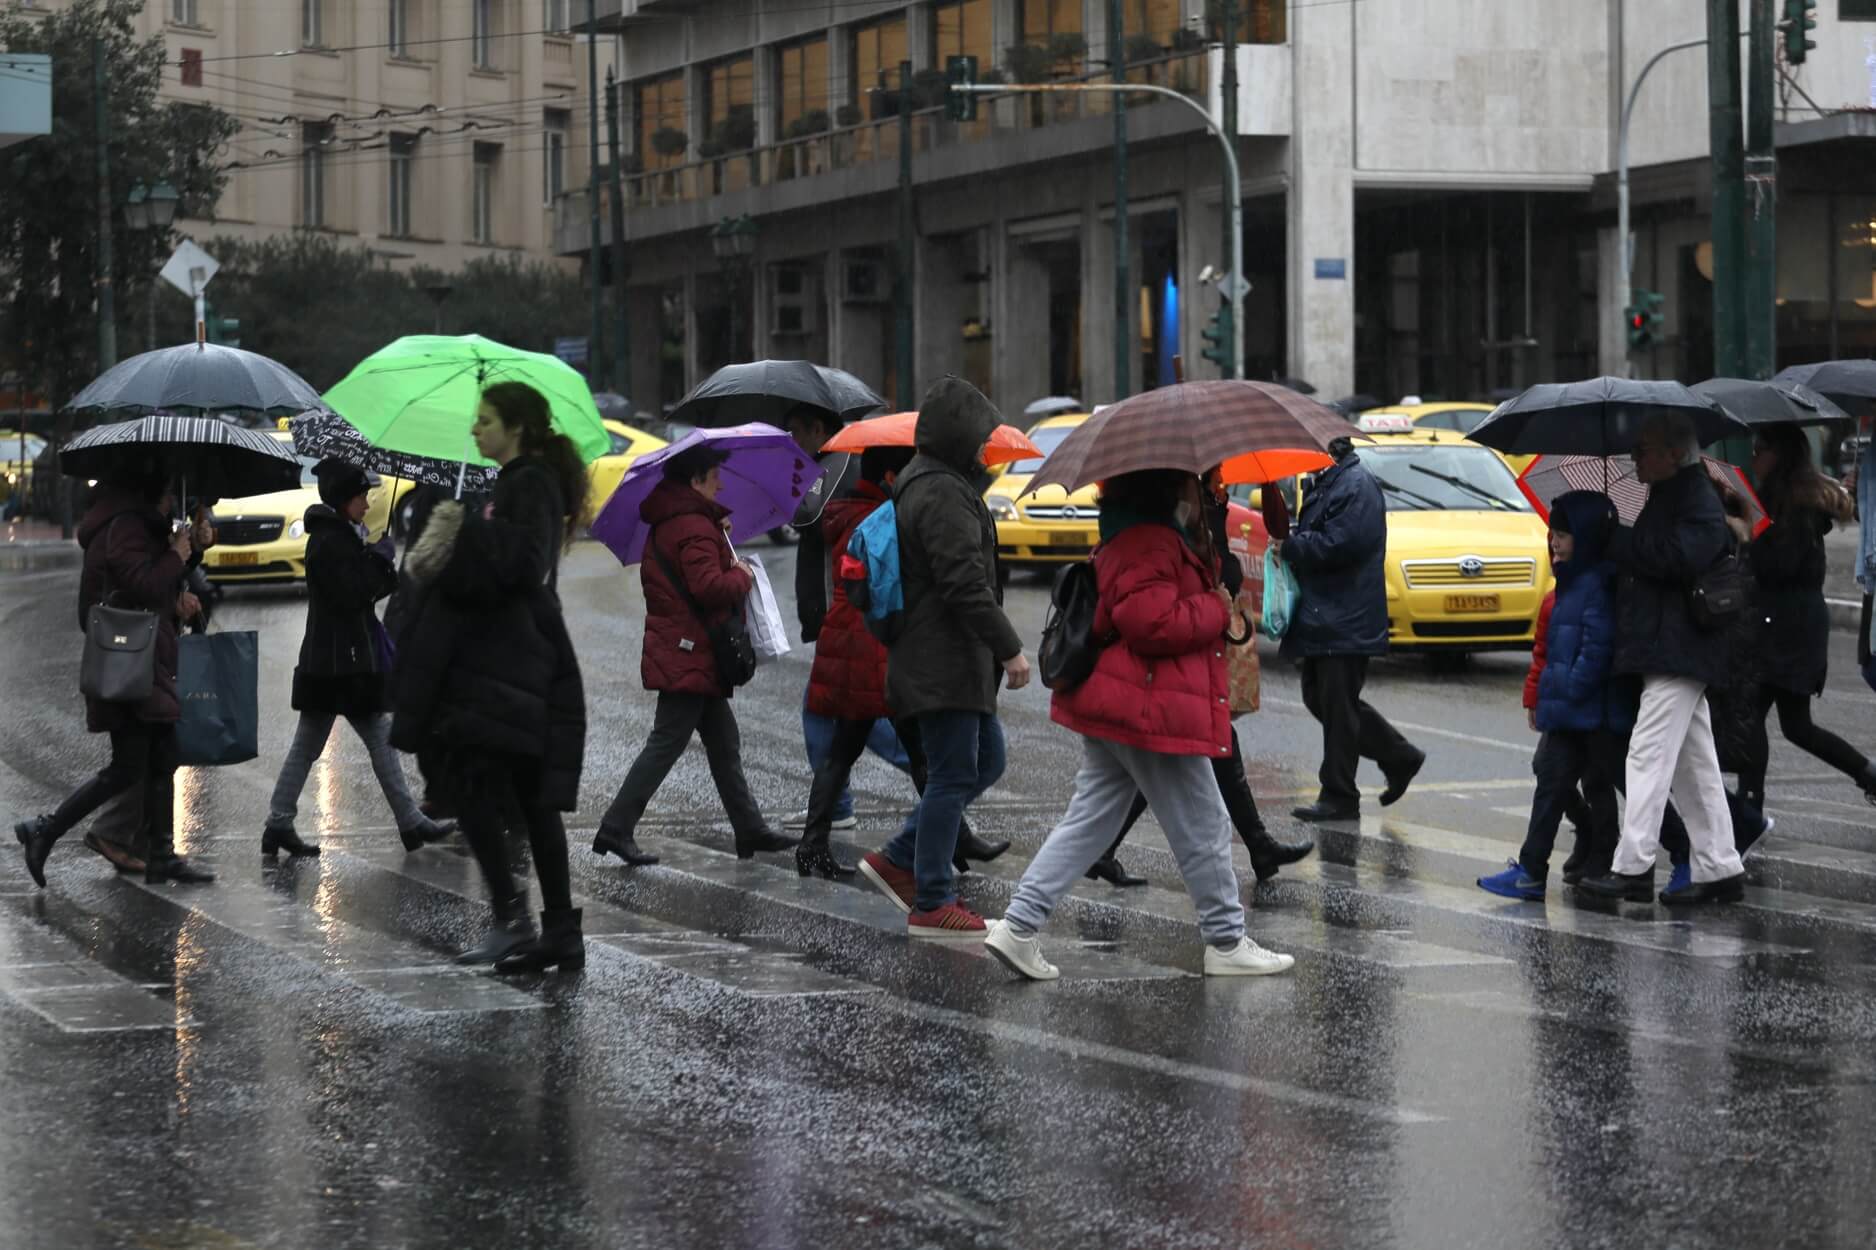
{"x": 1472, "y": 603}
{"x": 1067, "y": 539}
{"x": 231, "y": 559}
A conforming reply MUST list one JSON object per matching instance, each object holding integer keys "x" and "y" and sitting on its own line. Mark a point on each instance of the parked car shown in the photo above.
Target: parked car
{"x": 262, "y": 538}
{"x": 1052, "y": 526}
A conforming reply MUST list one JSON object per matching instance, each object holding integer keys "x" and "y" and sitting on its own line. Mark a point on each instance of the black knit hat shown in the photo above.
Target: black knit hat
{"x": 339, "y": 482}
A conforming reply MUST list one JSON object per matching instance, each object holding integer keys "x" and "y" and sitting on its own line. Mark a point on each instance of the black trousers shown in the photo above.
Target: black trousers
{"x": 1233, "y": 786}
{"x": 143, "y": 758}
{"x": 679, "y": 716}
{"x": 844, "y": 751}
{"x": 1794, "y": 721}
{"x": 1564, "y": 760}
{"x": 492, "y": 791}
{"x": 1351, "y": 730}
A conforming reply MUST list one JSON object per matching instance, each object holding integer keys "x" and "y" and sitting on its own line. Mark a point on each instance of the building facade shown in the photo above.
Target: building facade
{"x": 1428, "y": 191}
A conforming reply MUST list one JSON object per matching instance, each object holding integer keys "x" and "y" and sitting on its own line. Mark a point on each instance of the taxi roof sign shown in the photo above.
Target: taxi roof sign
{"x": 1385, "y": 423}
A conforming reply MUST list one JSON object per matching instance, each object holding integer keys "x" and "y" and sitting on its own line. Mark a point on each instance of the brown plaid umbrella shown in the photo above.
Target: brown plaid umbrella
{"x": 1194, "y": 426}
{"x": 1547, "y": 477}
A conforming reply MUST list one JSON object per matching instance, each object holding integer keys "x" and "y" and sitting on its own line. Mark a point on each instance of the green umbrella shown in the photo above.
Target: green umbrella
{"x": 419, "y": 395}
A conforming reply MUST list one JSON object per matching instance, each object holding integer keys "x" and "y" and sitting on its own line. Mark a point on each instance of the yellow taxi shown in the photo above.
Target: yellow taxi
{"x": 1468, "y": 562}
{"x": 602, "y": 475}
{"x": 1449, "y": 421}
{"x": 1051, "y": 526}
{"x": 262, "y": 538}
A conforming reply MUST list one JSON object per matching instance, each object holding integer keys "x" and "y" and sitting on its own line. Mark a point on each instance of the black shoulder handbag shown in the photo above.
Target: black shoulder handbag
{"x": 1069, "y": 648}
{"x": 730, "y": 647}
{"x": 1719, "y": 595}
{"x": 119, "y": 664}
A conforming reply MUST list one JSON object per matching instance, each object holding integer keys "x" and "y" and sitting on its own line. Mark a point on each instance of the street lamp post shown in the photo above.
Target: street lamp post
{"x": 734, "y": 241}
{"x": 150, "y": 208}
{"x": 439, "y": 291}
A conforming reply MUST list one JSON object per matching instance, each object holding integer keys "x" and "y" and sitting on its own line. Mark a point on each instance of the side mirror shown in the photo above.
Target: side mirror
{"x": 1257, "y": 498}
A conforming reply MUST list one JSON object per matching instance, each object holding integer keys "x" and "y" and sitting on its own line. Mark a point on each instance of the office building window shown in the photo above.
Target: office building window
{"x": 314, "y": 136}
{"x": 482, "y": 33}
{"x": 730, "y": 104}
{"x": 1157, "y": 20}
{"x": 402, "y": 184}
{"x": 1856, "y": 10}
{"x": 1046, "y": 20}
{"x": 1259, "y": 21}
{"x": 191, "y": 69}
{"x": 801, "y": 87}
{"x": 558, "y": 15}
{"x": 554, "y": 126}
{"x": 661, "y": 113}
{"x": 184, "y": 13}
{"x": 963, "y": 29}
{"x": 312, "y": 24}
{"x": 398, "y": 37}
{"x": 482, "y": 193}
{"x": 876, "y": 48}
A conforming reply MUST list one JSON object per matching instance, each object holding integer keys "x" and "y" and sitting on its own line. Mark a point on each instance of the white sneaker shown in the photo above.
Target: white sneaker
{"x": 1246, "y": 959}
{"x": 1021, "y": 955}
{"x": 800, "y": 821}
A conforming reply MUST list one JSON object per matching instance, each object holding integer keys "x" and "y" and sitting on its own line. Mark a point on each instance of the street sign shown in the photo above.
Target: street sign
{"x": 1332, "y": 268}
{"x": 1234, "y": 286}
{"x": 189, "y": 268}
{"x": 571, "y": 350}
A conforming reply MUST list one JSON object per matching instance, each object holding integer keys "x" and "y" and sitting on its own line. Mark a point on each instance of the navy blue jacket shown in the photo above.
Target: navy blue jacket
{"x": 1680, "y": 534}
{"x": 1338, "y": 552}
{"x": 1578, "y": 690}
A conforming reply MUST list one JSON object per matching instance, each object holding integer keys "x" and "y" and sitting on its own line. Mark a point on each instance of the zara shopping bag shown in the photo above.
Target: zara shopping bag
{"x": 218, "y": 681}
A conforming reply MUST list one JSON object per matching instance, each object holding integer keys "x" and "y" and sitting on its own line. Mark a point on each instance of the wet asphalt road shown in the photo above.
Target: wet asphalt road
{"x": 749, "y": 1059}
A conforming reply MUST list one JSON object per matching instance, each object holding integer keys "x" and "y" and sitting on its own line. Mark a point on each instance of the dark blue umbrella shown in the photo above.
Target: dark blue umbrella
{"x": 199, "y": 378}
{"x": 1597, "y": 417}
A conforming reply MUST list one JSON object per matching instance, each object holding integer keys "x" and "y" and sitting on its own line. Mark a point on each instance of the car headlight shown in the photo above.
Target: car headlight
{"x": 297, "y": 530}
{"x": 1002, "y": 507}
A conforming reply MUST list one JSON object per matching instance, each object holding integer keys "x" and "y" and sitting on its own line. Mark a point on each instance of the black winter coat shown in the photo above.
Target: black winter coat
{"x": 1788, "y": 561}
{"x": 1680, "y": 534}
{"x": 949, "y": 656}
{"x": 1338, "y": 551}
{"x": 485, "y": 666}
{"x": 340, "y": 673}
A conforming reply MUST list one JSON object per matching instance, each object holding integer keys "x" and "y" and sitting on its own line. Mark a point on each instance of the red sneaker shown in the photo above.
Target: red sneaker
{"x": 894, "y": 882}
{"x": 953, "y": 922}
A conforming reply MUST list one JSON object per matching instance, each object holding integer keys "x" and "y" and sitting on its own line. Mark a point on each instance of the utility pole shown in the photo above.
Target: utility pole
{"x": 902, "y": 286}
{"x": 107, "y": 301}
{"x": 622, "y": 353}
{"x": 1759, "y": 313}
{"x": 1729, "y": 191}
{"x": 1228, "y": 131}
{"x": 1123, "y": 248}
{"x": 596, "y": 338}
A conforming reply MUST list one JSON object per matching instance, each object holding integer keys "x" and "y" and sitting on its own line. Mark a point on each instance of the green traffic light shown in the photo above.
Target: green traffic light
{"x": 1800, "y": 21}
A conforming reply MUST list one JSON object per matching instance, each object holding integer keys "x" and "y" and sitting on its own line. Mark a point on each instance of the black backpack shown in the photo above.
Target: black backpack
{"x": 1069, "y": 647}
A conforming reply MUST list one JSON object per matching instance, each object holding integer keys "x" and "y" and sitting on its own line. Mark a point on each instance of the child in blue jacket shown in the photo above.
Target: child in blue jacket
{"x": 1583, "y": 711}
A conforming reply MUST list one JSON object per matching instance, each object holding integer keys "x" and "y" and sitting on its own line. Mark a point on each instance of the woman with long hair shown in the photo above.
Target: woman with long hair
{"x": 1788, "y": 564}
{"x": 487, "y": 676}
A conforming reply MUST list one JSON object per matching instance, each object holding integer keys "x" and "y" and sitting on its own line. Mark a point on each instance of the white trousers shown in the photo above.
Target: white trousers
{"x": 1672, "y": 752}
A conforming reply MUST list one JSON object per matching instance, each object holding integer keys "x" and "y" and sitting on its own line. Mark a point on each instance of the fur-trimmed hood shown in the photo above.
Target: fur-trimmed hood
{"x": 429, "y": 556}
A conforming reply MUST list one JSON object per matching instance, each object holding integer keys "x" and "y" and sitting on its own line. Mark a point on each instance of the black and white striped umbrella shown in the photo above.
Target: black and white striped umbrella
{"x": 200, "y": 377}
{"x": 325, "y": 435}
{"x": 212, "y": 458}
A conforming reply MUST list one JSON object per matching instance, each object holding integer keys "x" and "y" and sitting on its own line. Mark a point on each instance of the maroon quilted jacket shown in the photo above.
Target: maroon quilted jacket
{"x": 848, "y": 680}
{"x": 687, "y": 531}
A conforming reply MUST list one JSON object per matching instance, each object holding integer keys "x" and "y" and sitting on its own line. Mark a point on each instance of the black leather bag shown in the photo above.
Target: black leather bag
{"x": 1069, "y": 648}
{"x": 1720, "y": 595}
{"x": 730, "y": 646}
{"x": 119, "y": 664}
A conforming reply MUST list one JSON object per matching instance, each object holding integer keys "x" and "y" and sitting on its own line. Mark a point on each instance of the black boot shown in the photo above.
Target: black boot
{"x": 611, "y": 842}
{"x": 1109, "y": 869}
{"x": 274, "y": 841}
{"x": 173, "y": 867}
{"x": 762, "y": 840}
{"x": 37, "y": 837}
{"x": 971, "y": 847}
{"x": 512, "y": 927}
{"x": 817, "y": 861}
{"x": 559, "y": 946}
{"x": 1268, "y": 854}
{"x": 1866, "y": 779}
{"x": 417, "y": 837}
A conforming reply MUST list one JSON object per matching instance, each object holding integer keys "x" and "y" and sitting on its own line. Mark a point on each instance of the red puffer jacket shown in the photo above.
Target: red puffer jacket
{"x": 1161, "y": 684}
{"x": 687, "y": 531}
{"x": 1540, "y": 650}
{"x": 848, "y": 680}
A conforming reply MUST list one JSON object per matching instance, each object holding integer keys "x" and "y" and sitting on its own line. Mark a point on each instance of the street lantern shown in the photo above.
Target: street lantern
{"x": 137, "y": 208}
{"x": 162, "y": 203}
{"x": 734, "y": 238}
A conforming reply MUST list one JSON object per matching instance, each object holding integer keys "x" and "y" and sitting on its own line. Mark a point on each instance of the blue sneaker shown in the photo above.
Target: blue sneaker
{"x": 1680, "y": 878}
{"x": 1514, "y": 882}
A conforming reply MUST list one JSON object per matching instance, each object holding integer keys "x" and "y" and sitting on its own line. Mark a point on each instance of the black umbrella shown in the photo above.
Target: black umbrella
{"x": 765, "y": 390}
{"x": 325, "y": 435}
{"x": 1771, "y": 403}
{"x": 1596, "y": 417}
{"x": 1352, "y": 406}
{"x": 214, "y": 459}
{"x": 203, "y": 378}
{"x": 1850, "y": 384}
{"x": 1296, "y": 384}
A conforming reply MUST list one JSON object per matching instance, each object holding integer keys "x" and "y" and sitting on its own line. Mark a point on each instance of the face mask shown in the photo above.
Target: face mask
{"x": 1183, "y": 513}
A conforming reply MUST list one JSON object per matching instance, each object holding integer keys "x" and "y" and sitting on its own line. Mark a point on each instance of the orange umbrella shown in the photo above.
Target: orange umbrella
{"x": 1257, "y": 467}
{"x": 1006, "y": 445}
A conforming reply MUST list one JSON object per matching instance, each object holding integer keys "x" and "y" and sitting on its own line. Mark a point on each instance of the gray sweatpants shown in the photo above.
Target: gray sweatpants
{"x": 309, "y": 743}
{"x": 1183, "y": 793}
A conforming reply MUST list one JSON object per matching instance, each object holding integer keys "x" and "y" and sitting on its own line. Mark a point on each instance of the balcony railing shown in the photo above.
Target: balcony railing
{"x": 849, "y": 147}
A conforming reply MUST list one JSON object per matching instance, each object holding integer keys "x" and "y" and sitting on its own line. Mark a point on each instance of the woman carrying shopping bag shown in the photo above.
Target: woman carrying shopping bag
{"x": 344, "y": 661}
{"x": 696, "y": 652}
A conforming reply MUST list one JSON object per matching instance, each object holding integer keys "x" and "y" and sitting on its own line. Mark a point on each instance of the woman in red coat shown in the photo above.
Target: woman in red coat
{"x": 1153, "y": 715}
{"x": 692, "y": 580}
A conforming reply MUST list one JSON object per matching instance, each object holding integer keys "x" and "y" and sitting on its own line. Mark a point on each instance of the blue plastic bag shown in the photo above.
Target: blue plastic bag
{"x": 218, "y": 681}
{"x": 1279, "y": 595}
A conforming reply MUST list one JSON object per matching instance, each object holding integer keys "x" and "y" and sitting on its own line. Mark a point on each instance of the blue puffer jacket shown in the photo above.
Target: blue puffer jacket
{"x": 1338, "y": 552}
{"x": 1578, "y": 690}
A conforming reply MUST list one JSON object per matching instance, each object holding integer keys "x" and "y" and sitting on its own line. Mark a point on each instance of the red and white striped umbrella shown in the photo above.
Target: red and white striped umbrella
{"x": 1547, "y": 477}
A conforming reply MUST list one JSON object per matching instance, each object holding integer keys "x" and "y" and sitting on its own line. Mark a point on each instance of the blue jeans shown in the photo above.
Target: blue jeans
{"x": 964, "y": 756}
{"x": 818, "y": 733}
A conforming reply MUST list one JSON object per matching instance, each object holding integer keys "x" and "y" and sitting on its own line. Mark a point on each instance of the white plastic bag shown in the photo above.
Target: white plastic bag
{"x": 768, "y": 632}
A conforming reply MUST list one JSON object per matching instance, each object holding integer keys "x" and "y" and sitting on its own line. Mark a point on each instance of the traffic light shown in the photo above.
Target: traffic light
{"x": 1643, "y": 316}
{"x": 960, "y": 71}
{"x": 1222, "y": 342}
{"x": 221, "y": 328}
{"x": 1800, "y": 21}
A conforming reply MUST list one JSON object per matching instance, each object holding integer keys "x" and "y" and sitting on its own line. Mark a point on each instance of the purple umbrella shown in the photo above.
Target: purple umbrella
{"x": 764, "y": 479}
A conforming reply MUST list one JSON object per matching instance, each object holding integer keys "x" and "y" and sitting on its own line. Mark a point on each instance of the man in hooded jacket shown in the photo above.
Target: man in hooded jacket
{"x": 956, "y": 646}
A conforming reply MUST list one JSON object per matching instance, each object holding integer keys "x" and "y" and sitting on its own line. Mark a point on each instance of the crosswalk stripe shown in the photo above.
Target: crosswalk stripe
{"x": 51, "y": 976}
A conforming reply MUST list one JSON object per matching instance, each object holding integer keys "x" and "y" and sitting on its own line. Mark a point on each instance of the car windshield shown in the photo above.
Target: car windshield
{"x": 306, "y": 471}
{"x": 1048, "y": 439}
{"x": 1426, "y": 478}
{"x": 10, "y": 446}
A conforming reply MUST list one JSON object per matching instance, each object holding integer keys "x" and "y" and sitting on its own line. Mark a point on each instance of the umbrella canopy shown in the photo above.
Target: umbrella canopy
{"x": 1771, "y": 403}
{"x": 201, "y": 378}
{"x": 1007, "y": 443}
{"x": 1296, "y": 384}
{"x": 764, "y": 480}
{"x": 764, "y": 391}
{"x": 1051, "y": 406}
{"x": 1547, "y": 477}
{"x": 419, "y": 395}
{"x": 1850, "y": 384}
{"x": 325, "y": 435}
{"x": 1597, "y": 417}
{"x": 1353, "y": 405}
{"x": 214, "y": 459}
{"x": 1192, "y": 426}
